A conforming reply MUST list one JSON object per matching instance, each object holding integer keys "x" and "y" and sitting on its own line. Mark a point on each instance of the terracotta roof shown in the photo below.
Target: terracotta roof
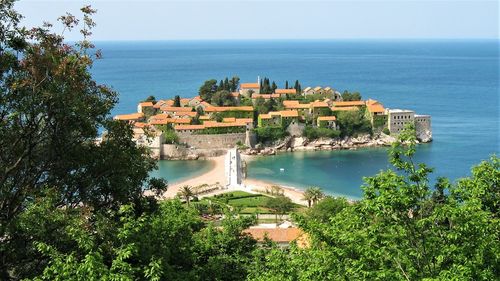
{"x": 265, "y": 116}
{"x": 146, "y": 104}
{"x": 295, "y": 105}
{"x": 319, "y": 104}
{"x": 344, "y": 108}
{"x": 349, "y": 103}
{"x": 140, "y": 124}
{"x": 159, "y": 103}
{"x": 175, "y": 109}
{"x": 170, "y": 120}
{"x": 244, "y": 120}
{"x": 198, "y": 98}
{"x": 189, "y": 127}
{"x": 249, "y": 86}
{"x": 374, "y": 106}
{"x": 215, "y": 124}
{"x": 205, "y": 104}
{"x": 228, "y": 108}
{"x": 235, "y": 94}
{"x": 317, "y": 88}
{"x": 285, "y": 91}
{"x": 327, "y": 118}
{"x": 190, "y": 113}
{"x": 160, "y": 116}
{"x": 289, "y": 113}
{"x": 204, "y": 117}
{"x": 132, "y": 116}
{"x": 229, "y": 119}
{"x": 279, "y": 235}
{"x": 265, "y": 96}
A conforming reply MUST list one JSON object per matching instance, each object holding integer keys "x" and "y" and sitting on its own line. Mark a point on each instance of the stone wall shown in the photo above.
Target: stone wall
{"x": 211, "y": 141}
{"x": 180, "y": 152}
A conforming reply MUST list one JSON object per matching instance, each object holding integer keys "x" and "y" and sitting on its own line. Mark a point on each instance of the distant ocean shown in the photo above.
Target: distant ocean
{"x": 455, "y": 81}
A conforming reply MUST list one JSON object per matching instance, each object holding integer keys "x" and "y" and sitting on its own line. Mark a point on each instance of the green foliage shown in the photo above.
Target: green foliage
{"x": 386, "y": 131}
{"x": 402, "y": 229}
{"x": 150, "y": 98}
{"x": 207, "y": 90}
{"x": 149, "y": 111}
{"x": 347, "y": 96}
{"x": 313, "y": 133}
{"x": 177, "y": 101}
{"x": 221, "y": 130}
{"x": 326, "y": 208}
{"x": 280, "y": 205}
{"x": 170, "y": 137}
{"x": 270, "y": 133}
{"x": 353, "y": 123}
{"x": 222, "y": 98}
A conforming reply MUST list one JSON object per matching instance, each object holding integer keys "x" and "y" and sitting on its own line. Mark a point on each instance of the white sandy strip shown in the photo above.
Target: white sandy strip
{"x": 291, "y": 192}
{"x": 213, "y": 176}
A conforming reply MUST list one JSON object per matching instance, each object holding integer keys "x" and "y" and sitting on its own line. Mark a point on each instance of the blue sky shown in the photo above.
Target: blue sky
{"x": 279, "y": 19}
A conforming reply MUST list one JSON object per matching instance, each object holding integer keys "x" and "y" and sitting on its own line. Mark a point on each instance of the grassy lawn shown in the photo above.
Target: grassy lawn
{"x": 244, "y": 202}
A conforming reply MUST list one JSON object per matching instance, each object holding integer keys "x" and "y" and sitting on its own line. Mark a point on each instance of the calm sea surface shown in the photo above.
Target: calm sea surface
{"x": 457, "y": 82}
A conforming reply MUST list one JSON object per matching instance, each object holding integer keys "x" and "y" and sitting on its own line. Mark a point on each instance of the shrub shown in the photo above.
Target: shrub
{"x": 386, "y": 131}
{"x": 270, "y": 133}
{"x": 170, "y": 137}
{"x": 315, "y": 133}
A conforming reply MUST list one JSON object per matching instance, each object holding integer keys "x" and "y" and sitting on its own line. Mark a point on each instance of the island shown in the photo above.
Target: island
{"x": 260, "y": 118}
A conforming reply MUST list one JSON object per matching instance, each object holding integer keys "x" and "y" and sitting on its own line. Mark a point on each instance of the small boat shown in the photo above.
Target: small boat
{"x": 282, "y": 169}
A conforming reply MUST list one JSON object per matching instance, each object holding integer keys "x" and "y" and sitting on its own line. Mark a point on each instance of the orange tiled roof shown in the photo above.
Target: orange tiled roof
{"x": 294, "y": 104}
{"x": 229, "y": 120}
{"x": 374, "y": 106}
{"x": 190, "y": 113}
{"x": 159, "y": 103}
{"x": 132, "y": 116}
{"x": 146, "y": 104}
{"x": 244, "y": 120}
{"x": 343, "y": 108}
{"x": 175, "y": 109}
{"x": 319, "y": 104}
{"x": 220, "y": 125}
{"x": 265, "y": 116}
{"x": 228, "y": 108}
{"x": 169, "y": 120}
{"x": 235, "y": 94}
{"x": 159, "y": 116}
{"x": 265, "y": 96}
{"x": 204, "y": 117}
{"x": 285, "y": 91}
{"x": 289, "y": 113}
{"x": 189, "y": 127}
{"x": 249, "y": 86}
{"x": 279, "y": 235}
{"x": 140, "y": 124}
{"x": 349, "y": 103}
{"x": 327, "y": 118}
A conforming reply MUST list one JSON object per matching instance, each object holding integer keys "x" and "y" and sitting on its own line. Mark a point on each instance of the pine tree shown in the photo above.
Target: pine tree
{"x": 221, "y": 85}
{"x": 286, "y": 84}
{"x": 177, "y": 101}
{"x": 226, "y": 84}
{"x": 274, "y": 87}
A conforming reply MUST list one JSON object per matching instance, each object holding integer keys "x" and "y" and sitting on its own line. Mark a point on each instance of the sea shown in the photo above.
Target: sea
{"x": 455, "y": 81}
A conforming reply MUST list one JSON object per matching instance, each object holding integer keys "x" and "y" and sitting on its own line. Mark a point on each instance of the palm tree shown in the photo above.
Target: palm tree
{"x": 308, "y": 197}
{"x": 315, "y": 194}
{"x": 186, "y": 192}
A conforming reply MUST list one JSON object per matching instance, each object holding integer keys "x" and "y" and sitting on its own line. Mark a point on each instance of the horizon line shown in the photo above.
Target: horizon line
{"x": 303, "y": 39}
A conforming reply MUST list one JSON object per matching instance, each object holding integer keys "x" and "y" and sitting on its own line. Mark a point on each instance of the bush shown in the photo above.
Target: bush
{"x": 315, "y": 133}
{"x": 170, "y": 137}
{"x": 386, "y": 131}
{"x": 353, "y": 123}
{"x": 270, "y": 133}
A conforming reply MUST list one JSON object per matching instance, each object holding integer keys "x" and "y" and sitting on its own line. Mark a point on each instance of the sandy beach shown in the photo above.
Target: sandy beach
{"x": 217, "y": 175}
{"x": 213, "y": 176}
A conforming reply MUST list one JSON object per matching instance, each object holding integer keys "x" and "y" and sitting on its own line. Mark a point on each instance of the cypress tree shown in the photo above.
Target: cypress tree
{"x": 177, "y": 101}
{"x": 221, "y": 85}
{"x": 286, "y": 84}
{"x": 274, "y": 87}
{"x": 226, "y": 84}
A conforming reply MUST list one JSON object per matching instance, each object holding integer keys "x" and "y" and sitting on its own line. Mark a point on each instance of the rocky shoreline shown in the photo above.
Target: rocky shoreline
{"x": 303, "y": 144}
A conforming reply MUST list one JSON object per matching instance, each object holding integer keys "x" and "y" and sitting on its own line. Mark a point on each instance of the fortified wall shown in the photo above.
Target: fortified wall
{"x": 211, "y": 141}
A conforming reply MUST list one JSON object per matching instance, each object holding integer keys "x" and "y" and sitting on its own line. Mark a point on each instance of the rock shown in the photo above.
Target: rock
{"x": 298, "y": 141}
{"x": 424, "y": 136}
{"x": 192, "y": 157}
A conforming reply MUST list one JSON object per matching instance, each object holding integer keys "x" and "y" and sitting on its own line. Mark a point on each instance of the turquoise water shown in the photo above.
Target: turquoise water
{"x": 175, "y": 171}
{"x": 457, "y": 82}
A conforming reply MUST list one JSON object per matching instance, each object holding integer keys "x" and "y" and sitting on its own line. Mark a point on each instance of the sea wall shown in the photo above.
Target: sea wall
{"x": 181, "y": 152}
{"x": 222, "y": 141}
